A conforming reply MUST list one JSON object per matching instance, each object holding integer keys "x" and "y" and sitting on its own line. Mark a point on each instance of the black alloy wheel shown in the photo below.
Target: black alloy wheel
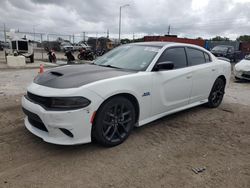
{"x": 217, "y": 93}
{"x": 114, "y": 121}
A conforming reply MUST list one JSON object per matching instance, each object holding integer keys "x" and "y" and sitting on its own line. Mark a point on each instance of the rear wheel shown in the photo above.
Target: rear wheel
{"x": 217, "y": 93}
{"x": 114, "y": 121}
{"x": 80, "y": 57}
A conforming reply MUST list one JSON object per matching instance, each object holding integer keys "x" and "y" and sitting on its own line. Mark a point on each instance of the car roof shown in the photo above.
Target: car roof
{"x": 160, "y": 44}
{"x": 163, "y": 44}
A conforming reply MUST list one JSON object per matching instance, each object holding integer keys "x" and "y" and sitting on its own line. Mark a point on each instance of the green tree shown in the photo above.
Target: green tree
{"x": 244, "y": 38}
{"x": 219, "y": 38}
{"x": 125, "y": 41}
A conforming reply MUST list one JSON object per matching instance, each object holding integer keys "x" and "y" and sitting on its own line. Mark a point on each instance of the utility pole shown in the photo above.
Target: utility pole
{"x": 42, "y": 44}
{"x": 133, "y": 37}
{"x": 169, "y": 30}
{"x": 120, "y": 20}
{"x": 73, "y": 38}
{"x": 34, "y": 33}
{"x": 83, "y": 35}
{"x": 4, "y": 30}
{"x": 107, "y": 33}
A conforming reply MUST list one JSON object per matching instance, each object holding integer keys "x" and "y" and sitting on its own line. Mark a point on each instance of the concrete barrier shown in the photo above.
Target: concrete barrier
{"x": 16, "y": 61}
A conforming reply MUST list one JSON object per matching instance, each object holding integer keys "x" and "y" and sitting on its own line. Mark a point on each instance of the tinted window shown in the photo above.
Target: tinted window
{"x": 207, "y": 57}
{"x": 23, "y": 45}
{"x": 195, "y": 57}
{"x": 176, "y": 56}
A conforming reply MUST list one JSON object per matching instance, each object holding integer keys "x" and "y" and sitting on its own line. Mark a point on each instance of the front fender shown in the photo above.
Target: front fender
{"x": 136, "y": 85}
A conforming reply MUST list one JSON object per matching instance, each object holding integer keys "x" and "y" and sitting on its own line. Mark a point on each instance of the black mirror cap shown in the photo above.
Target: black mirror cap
{"x": 166, "y": 65}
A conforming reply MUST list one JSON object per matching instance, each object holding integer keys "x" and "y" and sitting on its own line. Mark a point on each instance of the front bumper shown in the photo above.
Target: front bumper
{"x": 77, "y": 122}
{"x": 242, "y": 74}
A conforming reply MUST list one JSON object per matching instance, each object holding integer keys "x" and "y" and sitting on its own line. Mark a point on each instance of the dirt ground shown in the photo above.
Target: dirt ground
{"x": 160, "y": 154}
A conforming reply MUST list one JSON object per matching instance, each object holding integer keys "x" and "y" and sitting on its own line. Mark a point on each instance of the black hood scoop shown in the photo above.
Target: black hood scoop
{"x": 74, "y": 76}
{"x": 56, "y": 73}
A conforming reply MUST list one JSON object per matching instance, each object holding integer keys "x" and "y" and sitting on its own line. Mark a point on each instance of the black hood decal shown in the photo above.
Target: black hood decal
{"x": 74, "y": 76}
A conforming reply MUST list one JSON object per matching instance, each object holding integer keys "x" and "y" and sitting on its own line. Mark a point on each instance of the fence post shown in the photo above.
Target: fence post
{"x": 42, "y": 44}
{"x": 4, "y": 30}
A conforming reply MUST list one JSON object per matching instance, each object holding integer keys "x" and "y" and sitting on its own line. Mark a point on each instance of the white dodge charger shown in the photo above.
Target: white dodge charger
{"x": 130, "y": 86}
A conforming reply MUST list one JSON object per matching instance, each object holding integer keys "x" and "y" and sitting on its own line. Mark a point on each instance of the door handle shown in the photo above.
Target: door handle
{"x": 213, "y": 70}
{"x": 189, "y": 76}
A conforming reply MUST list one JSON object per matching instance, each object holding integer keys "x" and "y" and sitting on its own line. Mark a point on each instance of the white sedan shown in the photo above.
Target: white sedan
{"x": 130, "y": 86}
{"x": 242, "y": 69}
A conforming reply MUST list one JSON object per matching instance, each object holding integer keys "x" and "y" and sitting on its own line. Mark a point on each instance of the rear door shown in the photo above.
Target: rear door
{"x": 171, "y": 88}
{"x": 204, "y": 71}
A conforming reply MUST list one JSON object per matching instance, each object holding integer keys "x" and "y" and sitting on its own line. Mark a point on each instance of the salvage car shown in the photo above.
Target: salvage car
{"x": 242, "y": 69}
{"x": 227, "y": 52}
{"x": 129, "y": 86}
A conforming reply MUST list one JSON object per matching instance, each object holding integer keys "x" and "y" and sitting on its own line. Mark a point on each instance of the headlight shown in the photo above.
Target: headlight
{"x": 68, "y": 103}
{"x": 236, "y": 68}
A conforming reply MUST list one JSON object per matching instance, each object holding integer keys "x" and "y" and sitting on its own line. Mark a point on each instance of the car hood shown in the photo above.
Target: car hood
{"x": 74, "y": 76}
{"x": 243, "y": 65}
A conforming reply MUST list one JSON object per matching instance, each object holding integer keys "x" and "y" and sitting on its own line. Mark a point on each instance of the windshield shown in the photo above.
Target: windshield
{"x": 132, "y": 57}
{"x": 220, "y": 48}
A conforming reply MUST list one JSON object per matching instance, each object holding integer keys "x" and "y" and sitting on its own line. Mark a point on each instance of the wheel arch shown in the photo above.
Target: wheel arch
{"x": 131, "y": 98}
{"x": 223, "y": 78}
{"x": 128, "y": 96}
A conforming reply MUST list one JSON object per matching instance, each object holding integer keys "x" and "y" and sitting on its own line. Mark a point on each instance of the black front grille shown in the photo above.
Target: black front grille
{"x": 43, "y": 101}
{"x": 35, "y": 120}
{"x": 246, "y": 75}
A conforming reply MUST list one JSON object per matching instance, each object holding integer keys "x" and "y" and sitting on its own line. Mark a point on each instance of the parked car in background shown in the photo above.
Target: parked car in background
{"x": 227, "y": 52}
{"x": 79, "y": 46}
{"x": 242, "y": 69}
{"x": 66, "y": 47}
{"x": 129, "y": 86}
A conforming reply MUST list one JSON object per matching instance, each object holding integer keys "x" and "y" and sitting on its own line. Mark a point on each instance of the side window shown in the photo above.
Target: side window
{"x": 207, "y": 57}
{"x": 195, "y": 56}
{"x": 176, "y": 55}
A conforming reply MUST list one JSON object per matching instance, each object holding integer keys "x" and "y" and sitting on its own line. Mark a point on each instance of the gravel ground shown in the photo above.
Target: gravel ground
{"x": 160, "y": 154}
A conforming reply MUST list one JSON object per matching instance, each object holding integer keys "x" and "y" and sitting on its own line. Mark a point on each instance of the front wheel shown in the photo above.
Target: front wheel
{"x": 80, "y": 56}
{"x": 217, "y": 93}
{"x": 114, "y": 121}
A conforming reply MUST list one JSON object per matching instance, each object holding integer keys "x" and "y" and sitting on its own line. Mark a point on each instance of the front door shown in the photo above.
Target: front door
{"x": 171, "y": 88}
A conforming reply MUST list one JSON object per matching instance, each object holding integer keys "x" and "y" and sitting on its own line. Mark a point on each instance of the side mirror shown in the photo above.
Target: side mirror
{"x": 166, "y": 65}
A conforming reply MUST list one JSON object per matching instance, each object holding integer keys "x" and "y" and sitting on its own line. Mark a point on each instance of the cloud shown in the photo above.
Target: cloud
{"x": 187, "y": 18}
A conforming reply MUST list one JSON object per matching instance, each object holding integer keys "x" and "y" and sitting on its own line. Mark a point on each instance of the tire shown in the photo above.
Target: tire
{"x": 114, "y": 122}
{"x": 80, "y": 57}
{"x": 91, "y": 58}
{"x": 217, "y": 92}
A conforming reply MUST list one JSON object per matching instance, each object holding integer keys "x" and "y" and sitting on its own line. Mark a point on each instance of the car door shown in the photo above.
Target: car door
{"x": 204, "y": 71}
{"x": 171, "y": 88}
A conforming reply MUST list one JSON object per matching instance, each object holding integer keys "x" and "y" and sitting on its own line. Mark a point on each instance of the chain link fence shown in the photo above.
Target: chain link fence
{"x": 41, "y": 42}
